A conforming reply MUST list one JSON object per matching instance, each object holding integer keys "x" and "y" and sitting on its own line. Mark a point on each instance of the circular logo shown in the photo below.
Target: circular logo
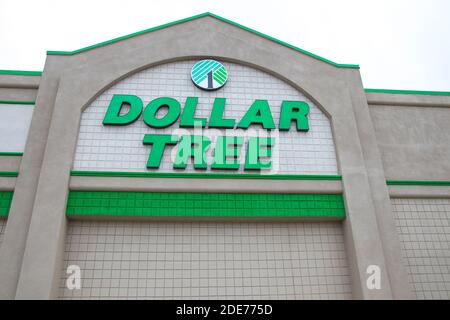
{"x": 209, "y": 74}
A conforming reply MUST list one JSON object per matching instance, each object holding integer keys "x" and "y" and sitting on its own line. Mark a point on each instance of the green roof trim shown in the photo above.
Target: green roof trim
{"x": 21, "y": 72}
{"x": 191, "y": 204}
{"x": 52, "y": 52}
{"x": 202, "y": 175}
{"x": 417, "y": 183}
{"x": 8, "y": 174}
{"x": 433, "y": 93}
{"x": 11, "y": 154}
{"x": 17, "y": 102}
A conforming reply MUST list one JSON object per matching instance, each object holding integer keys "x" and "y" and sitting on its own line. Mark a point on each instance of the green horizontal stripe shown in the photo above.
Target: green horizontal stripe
{"x": 434, "y": 93}
{"x": 17, "y": 102}
{"x": 8, "y": 174}
{"x": 418, "y": 183}
{"x": 5, "y": 202}
{"x": 338, "y": 65}
{"x": 202, "y": 175}
{"x": 21, "y": 73}
{"x": 11, "y": 154}
{"x": 190, "y": 204}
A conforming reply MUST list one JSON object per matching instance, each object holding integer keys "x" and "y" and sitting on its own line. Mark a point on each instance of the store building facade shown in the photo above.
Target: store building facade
{"x": 203, "y": 159}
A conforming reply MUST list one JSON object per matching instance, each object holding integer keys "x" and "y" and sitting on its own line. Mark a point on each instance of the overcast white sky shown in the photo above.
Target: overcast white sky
{"x": 399, "y": 44}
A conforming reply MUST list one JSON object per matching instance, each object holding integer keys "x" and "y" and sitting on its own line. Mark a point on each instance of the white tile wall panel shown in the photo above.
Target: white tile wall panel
{"x": 15, "y": 120}
{"x": 144, "y": 260}
{"x": 120, "y": 148}
{"x": 424, "y": 229}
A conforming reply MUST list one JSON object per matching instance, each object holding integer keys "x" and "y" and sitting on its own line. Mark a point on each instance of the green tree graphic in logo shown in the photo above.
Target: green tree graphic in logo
{"x": 209, "y": 74}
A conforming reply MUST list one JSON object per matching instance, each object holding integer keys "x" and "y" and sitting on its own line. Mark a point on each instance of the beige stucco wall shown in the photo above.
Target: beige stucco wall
{"x": 413, "y": 141}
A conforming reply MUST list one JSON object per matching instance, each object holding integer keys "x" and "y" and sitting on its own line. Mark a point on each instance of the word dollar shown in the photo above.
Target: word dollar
{"x": 227, "y": 148}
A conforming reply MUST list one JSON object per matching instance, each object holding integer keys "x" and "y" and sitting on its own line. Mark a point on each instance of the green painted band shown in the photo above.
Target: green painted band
{"x": 17, "y": 102}
{"x": 5, "y": 203}
{"x": 433, "y": 93}
{"x": 11, "y": 154}
{"x": 190, "y": 204}
{"x": 52, "y": 52}
{"x": 21, "y": 73}
{"x": 417, "y": 183}
{"x": 8, "y": 174}
{"x": 202, "y": 175}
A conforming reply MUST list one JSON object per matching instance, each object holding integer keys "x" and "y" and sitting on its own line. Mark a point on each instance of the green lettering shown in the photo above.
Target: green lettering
{"x": 112, "y": 115}
{"x": 258, "y": 113}
{"x": 192, "y": 146}
{"x": 158, "y": 142}
{"x": 227, "y": 147}
{"x": 294, "y": 111}
{"x": 255, "y": 152}
{"x": 217, "y": 120}
{"x": 187, "y": 118}
{"x": 173, "y": 112}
